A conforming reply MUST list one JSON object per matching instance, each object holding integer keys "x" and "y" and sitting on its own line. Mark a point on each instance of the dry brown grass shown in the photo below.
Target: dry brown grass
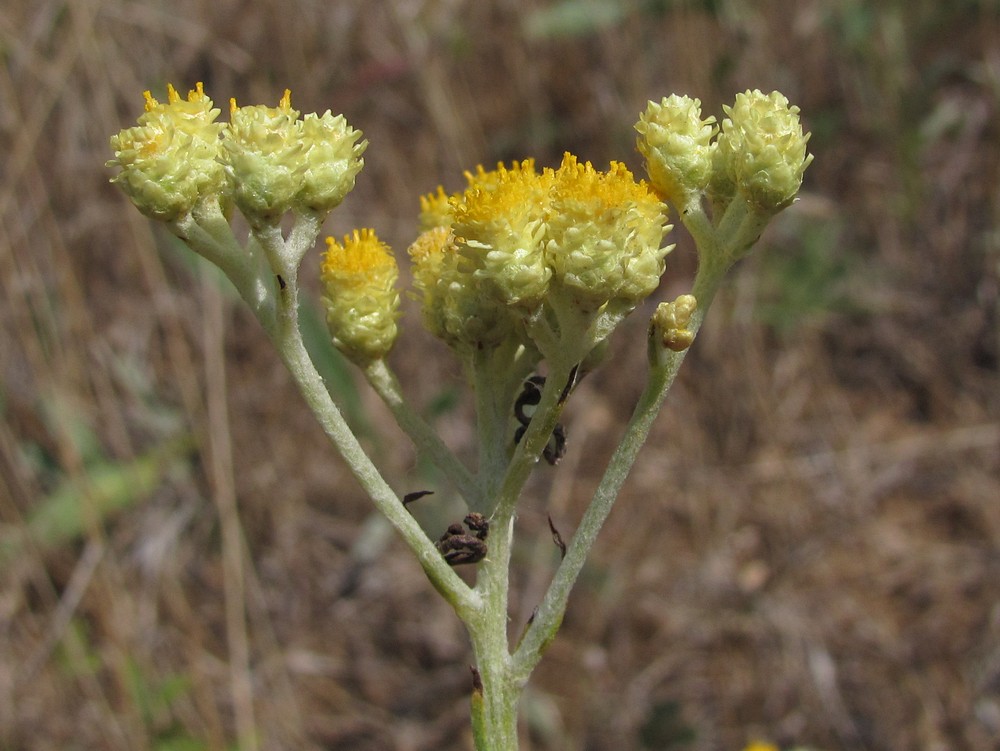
{"x": 809, "y": 548}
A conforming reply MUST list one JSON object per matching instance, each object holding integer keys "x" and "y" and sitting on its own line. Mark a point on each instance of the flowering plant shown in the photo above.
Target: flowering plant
{"x": 526, "y": 270}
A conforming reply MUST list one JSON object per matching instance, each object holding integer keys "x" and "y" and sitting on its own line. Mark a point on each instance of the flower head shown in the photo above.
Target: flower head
{"x": 331, "y": 154}
{"x": 359, "y": 278}
{"x": 435, "y": 210}
{"x": 499, "y": 226}
{"x": 453, "y": 308}
{"x": 677, "y": 145}
{"x": 761, "y": 153}
{"x": 263, "y": 159}
{"x": 433, "y": 257}
{"x": 169, "y": 161}
{"x": 603, "y": 234}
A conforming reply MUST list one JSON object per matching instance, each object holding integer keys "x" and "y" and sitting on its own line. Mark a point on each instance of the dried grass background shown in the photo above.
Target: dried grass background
{"x": 809, "y": 547}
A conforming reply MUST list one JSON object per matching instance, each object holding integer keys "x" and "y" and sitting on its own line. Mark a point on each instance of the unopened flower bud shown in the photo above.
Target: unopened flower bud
{"x": 668, "y": 328}
{"x": 331, "y": 159}
{"x": 677, "y": 145}
{"x": 761, "y": 153}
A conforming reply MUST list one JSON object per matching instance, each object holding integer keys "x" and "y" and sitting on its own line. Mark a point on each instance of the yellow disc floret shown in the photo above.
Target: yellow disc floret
{"x": 359, "y": 277}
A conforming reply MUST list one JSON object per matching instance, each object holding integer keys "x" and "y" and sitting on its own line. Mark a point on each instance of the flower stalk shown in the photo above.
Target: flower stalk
{"x": 525, "y": 275}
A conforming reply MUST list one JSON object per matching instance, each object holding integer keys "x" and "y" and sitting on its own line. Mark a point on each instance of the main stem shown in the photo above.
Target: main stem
{"x": 495, "y": 716}
{"x": 495, "y": 701}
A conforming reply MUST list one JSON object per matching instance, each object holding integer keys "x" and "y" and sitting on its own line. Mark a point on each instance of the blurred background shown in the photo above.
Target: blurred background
{"x": 808, "y": 550}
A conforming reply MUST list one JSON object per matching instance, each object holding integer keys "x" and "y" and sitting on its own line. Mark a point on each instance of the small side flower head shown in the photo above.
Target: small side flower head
{"x": 604, "y": 235}
{"x": 677, "y": 145}
{"x": 263, "y": 159}
{"x": 454, "y": 310}
{"x": 435, "y": 210}
{"x": 761, "y": 153}
{"x": 433, "y": 257}
{"x": 332, "y": 159}
{"x": 360, "y": 296}
{"x": 169, "y": 161}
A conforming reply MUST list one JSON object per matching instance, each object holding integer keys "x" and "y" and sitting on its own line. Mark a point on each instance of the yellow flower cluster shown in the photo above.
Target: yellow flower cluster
{"x": 550, "y": 260}
{"x": 521, "y": 252}
{"x": 266, "y": 160}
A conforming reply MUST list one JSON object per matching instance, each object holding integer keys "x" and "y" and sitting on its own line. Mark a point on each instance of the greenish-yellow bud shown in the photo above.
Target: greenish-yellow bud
{"x": 677, "y": 145}
{"x": 761, "y": 153}
{"x": 331, "y": 159}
